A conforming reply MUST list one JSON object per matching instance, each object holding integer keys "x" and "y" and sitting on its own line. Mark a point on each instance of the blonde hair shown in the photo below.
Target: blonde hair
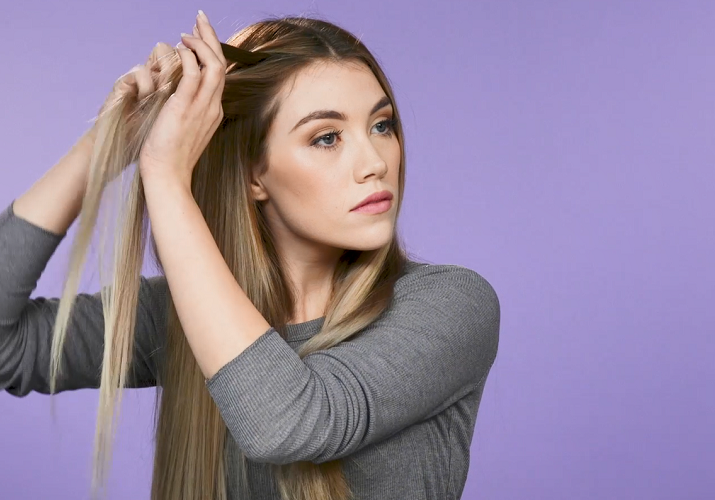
{"x": 191, "y": 439}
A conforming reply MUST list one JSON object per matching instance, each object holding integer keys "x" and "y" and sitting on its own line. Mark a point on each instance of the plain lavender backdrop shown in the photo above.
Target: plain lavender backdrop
{"x": 562, "y": 149}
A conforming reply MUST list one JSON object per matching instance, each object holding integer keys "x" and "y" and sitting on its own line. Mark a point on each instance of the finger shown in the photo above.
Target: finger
{"x": 213, "y": 74}
{"x": 144, "y": 81}
{"x": 163, "y": 49}
{"x": 208, "y": 35}
{"x": 125, "y": 85}
{"x": 160, "y": 58}
{"x": 127, "y": 82}
{"x": 160, "y": 62}
{"x": 191, "y": 76}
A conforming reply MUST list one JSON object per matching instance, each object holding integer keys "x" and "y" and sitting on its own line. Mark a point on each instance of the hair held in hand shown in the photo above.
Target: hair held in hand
{"x": 191, "y": 436}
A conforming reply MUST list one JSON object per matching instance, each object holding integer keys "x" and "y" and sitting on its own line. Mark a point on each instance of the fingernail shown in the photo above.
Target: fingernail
{"x": 203, "y": 16}
{"x": 196, "y": 31}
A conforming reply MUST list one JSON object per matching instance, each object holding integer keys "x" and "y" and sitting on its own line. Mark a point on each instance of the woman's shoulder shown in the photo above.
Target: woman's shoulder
{"x": 450, "y": 285}
{"x": 451, "y": 307}
{"x": 445, "y": 279}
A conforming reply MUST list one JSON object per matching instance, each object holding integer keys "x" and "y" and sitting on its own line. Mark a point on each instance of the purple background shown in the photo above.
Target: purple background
{"x": 562, "y": 149}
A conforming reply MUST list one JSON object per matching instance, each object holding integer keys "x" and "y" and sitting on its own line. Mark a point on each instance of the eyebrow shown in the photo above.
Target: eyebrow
{"x": 337, "y": 115}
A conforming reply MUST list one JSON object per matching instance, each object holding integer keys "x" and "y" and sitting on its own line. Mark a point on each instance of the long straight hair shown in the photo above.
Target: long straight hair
{"x": 191, "y": 439}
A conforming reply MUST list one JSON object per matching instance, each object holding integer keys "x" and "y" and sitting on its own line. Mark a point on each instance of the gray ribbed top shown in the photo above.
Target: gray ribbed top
{"x": 398, "y": 403}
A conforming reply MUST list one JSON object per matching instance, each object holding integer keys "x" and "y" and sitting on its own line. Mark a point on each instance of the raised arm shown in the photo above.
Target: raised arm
{"x": 53, "y": 202}
{"x": 31, "y": 228}
{"x": 26, "y": 324}
{"x": 434, "y": 346}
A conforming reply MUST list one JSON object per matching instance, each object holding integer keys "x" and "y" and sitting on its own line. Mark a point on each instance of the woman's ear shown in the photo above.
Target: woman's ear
{"x": 258, "y": 190}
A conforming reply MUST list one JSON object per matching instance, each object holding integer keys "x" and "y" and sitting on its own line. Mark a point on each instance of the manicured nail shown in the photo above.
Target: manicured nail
{"x": 203, "y": 16}
{"x": 196, "y": 32}
{"x": 186, "y": 35}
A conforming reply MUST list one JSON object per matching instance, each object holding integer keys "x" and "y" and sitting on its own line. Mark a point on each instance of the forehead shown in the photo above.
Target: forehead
{"x": 348, "y": 86}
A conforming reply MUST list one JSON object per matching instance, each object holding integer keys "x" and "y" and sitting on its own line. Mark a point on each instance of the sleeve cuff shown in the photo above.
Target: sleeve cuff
{"x": 25, "y": 248}
{"x": 8, "y": 216}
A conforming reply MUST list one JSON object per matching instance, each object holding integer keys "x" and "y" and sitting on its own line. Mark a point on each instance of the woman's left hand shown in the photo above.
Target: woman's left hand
{"x": 191, "y": 115}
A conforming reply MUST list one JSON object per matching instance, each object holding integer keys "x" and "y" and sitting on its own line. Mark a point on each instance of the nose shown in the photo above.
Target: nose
{"x": 370, "y": 162}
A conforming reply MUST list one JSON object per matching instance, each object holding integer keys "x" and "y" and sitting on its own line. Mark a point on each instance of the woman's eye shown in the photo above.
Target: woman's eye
{"x": 329, "y": 141}
{"x": 328, "y": 138}
{"x": 385, "y": 127}
{"x": 326, "y": 141}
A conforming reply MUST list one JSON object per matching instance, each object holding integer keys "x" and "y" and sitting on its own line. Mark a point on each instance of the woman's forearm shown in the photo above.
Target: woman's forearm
{"x": 218, "y": 318}
{"x": 54, "y": 201}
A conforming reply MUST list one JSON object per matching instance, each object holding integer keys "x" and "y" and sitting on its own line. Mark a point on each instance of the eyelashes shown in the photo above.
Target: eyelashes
{"x": 389, "y": 123}
{"x": 333, "y": 133}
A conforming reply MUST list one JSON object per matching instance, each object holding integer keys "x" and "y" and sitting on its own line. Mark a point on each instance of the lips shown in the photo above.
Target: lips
{"x": 373, "y": 198}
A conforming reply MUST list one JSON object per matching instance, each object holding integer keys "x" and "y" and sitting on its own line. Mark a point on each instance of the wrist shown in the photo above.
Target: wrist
{"x": 159, "y": 180}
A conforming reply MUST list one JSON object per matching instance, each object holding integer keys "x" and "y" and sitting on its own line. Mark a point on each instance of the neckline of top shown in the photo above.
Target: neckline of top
{"x": 306, "y": 329}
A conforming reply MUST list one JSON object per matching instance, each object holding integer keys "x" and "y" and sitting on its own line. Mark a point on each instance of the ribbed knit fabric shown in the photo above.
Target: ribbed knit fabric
{"x": 398, "y": 403}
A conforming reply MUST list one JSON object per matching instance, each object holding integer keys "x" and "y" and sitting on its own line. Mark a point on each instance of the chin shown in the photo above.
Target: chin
{"x": 367, "y": 242}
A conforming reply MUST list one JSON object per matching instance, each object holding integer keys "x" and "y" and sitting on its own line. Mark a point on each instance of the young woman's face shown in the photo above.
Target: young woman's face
{"x": 331, "y": 145}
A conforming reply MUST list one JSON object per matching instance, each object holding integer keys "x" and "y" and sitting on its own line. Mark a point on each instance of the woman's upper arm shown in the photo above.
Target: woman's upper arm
{"x": 25, "y": 345}
{"x": 433, "y": 346}
{"x": 26, "y": 325}
{"x": 431, "y": 350}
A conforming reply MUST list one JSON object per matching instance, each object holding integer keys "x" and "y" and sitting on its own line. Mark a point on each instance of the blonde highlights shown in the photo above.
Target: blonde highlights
{"x": 192, "y": 439}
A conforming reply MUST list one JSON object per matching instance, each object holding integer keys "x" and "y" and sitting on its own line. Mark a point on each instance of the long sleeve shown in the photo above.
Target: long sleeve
{"x": 433, "y": 346}
{"x": 26, "y": 324}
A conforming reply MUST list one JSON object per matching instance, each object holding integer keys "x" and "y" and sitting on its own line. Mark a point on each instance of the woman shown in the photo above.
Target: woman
{"x": 299, "y": 353}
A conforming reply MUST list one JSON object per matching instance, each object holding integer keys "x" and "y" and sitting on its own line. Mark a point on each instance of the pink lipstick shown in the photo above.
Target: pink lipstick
{"x": 376, "y": 203}
{"x": 377, "y": 207}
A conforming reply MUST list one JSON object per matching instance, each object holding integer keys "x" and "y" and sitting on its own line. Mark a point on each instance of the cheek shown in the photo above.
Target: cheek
{"x": 307, "y": 196}
{"x": 328, "y": 195}
{"x": 293, "y": 179}
{"x": 393, "y": 158}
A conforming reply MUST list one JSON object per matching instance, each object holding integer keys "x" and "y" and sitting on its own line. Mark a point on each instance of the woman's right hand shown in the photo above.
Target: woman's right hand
{"x": 54, "y": 201}
{"x": 138, "y": 82}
